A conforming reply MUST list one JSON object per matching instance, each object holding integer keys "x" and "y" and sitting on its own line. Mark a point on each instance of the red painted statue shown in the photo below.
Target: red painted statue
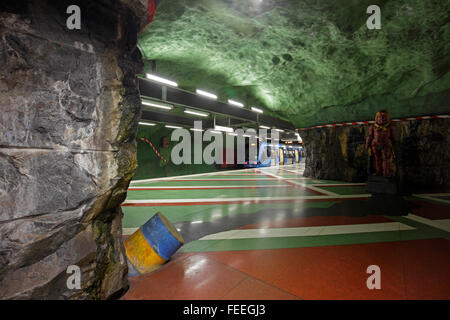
{"x": 379, "y": 143}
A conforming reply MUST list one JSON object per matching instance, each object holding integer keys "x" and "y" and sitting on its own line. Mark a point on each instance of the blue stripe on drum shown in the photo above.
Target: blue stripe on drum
{"x": 159, "y": 238}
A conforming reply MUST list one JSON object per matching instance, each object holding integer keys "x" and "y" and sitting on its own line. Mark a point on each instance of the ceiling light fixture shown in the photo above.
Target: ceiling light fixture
{"x": 172, "y": 127}
{"x": 206, "y": 94}
{"x": 222, "y": 128}
{"x": 196, "y": 113}
{"x": 147, "y": 124}
{"x": 257, "y": 110}
{"x": 236, "y": 103}
{"x": 157, "y": 105}
{"x": 161, "y": 80}
{"x": 264, "y": 127}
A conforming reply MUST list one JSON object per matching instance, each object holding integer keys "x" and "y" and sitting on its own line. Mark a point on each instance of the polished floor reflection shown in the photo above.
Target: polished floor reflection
{"x": 270, "y": 233}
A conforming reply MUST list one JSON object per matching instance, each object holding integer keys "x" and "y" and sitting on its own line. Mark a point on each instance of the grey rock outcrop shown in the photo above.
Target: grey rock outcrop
{"x": 421, "y": 147}
{"x": 69, "y": 107}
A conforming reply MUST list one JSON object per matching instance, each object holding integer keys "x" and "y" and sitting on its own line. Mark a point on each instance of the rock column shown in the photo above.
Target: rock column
{"x": 69, "y": 108}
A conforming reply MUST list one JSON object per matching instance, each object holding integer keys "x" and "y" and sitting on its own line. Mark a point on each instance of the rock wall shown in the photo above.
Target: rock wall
{"x": 421, "y": 147}
{"x": 69, "y": 107}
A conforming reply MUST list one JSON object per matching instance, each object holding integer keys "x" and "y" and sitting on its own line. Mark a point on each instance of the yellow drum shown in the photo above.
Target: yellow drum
{"x": 152, "y": 245}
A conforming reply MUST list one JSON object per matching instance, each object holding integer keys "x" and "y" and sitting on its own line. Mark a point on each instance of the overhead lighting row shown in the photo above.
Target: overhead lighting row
{"x": 217, "y": 129}
{"x": 200, "y": 92}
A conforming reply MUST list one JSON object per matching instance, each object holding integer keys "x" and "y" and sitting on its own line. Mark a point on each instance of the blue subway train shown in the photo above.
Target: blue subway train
{"x": 274, "y": 155}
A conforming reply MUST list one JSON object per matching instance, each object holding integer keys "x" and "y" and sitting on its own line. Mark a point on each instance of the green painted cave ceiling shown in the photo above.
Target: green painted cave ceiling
{"x": 307, "y": 61}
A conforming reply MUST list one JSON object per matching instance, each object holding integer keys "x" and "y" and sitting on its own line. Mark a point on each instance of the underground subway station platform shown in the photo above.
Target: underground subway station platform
{"x": 256, "y": 150}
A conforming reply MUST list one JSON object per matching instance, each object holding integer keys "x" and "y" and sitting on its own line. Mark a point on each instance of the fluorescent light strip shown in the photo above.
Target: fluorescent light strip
{"x": 161, "y": 80}
{"x": 194, "y": 129}
{"x": 236, "y": 103}
{"x": 196, "y": 113}
{"x": 279, "y": 130}
{"x": 172, "y": 127}
{"x": 156, "y": 105}
{"x": 257, "y": 110}
{"x": 206, "y": 94}
{"x": 264, "y": 127}
{"x": 147, "y": 124}
{"x": 222, "y": 128}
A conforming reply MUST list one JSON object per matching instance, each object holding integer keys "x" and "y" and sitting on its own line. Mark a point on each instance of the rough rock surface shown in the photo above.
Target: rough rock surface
{"x": 69, "y": 108}
{"x": 308, "y": 61}
{"x": 421, "y": 148}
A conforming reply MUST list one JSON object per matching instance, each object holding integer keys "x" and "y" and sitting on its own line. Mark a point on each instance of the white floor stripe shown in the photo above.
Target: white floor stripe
{"x": 128, "y": 231}
{"x": 343, "y": 184}
{"x": 443, "y": 224}
{"x": 308, "y": 231}
{"x": 240, "y": 179}
{"x": 302, "y": 184}
{"x": 295, "y": 172}
{"x": 184, "y": 176}
{"x": 211, "y": 187}
{"x": 252, "y": 199}
{"x": 432, "y": 196}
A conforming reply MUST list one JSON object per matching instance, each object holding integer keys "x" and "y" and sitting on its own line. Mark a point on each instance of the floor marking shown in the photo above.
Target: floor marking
{"x": 307, "y": 231}
{"x": 443, "y": 224}
{"x": 338, "y": 185}
{"x": 183, "y": 176}
{"x": 208, "y": 187}
{"x": 128, "y": 231}
{"x": 303, "y": 185}
{"x": 432, "y": 196}
{"x": 245, "y": 179}
{"x": 243, "y": 200}
{"x": 292, "y": 171}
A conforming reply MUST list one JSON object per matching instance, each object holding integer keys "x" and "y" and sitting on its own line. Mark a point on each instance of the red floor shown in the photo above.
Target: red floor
{"x": 332, "y": 272}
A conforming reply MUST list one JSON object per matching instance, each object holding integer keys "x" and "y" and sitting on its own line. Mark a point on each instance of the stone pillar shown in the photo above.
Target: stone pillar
{"x": 69, "y": 107}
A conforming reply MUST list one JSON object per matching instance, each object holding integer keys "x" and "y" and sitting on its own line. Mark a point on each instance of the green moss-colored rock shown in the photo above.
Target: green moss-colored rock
{"x": 308, "y": 61}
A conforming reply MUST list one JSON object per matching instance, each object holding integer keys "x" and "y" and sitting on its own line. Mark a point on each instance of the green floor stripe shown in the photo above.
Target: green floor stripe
{"x": 426, "y": 230}
{"x": 136, "y": 216}
{"x": 305, "y": 241}
{"x": 347, "y": 190}
{"x": 216, "y": 193}
{"x": 210, "y": 183}
{"x": 422, "y": 232}
{"x": 427, "y": 200}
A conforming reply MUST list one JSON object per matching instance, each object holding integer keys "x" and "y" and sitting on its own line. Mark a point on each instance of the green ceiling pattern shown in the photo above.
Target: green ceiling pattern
{"x": 307, "y": 61}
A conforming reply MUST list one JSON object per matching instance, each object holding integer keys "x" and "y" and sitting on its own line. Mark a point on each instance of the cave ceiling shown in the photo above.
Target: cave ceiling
{"x": 307, "y": 61}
